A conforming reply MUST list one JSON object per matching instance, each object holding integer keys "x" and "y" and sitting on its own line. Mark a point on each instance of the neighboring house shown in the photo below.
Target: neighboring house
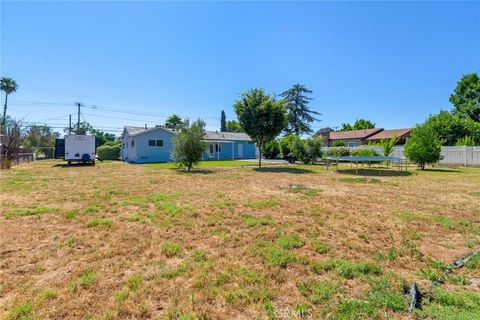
{"x": 143, "y": 145}
{"x": 355, "y": 138}
{"x": 352, "y": 138}
{"x": 402, "y": 134}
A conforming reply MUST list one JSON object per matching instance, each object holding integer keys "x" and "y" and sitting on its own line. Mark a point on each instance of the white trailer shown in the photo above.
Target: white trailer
{"x": 79, "y": 148}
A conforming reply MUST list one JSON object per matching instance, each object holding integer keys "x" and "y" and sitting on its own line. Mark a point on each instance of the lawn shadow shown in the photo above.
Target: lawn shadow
{"x": 441, "y": 170}
{"x": 375, "y": 172}
{"x": 194, "y": 171}
{"x": 75, "y": 164}
{"x": 284, "y": 170}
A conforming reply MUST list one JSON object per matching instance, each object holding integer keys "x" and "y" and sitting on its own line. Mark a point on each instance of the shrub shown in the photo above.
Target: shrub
{"x": 423, "y": 147}
{"x": 286, "y": 144}
{"x": 108, "y": 152}
{"x": 339, "y": 143}
{"x": 337, "y": 152}
{"x": 272, "y": 150}
{"x": 364, "y": 152}
{"x": 188, "y": 144}
{"x": 465, "y": 141}
{"x": 308, "y": 151}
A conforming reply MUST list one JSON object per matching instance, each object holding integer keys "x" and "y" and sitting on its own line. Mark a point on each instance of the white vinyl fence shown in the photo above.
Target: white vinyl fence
{"x": 450, "y": 156}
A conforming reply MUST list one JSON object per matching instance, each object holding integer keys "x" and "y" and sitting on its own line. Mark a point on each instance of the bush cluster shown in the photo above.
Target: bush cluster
{"x": 108, "y": 152}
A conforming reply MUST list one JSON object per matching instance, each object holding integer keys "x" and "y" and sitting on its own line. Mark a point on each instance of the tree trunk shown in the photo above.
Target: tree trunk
{"x": 422, "y": 165}
{"x": 4, "y": 119}
{"x": 260, "y": 156}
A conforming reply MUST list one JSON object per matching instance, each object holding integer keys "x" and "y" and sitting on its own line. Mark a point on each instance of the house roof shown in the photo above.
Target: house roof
{"x": 354, "y": 134}
{"x": 133, "y": 131}
{"x": 210, "y": 135}
{"x": 216, "y": 135}
{"x": 387, "y": 134}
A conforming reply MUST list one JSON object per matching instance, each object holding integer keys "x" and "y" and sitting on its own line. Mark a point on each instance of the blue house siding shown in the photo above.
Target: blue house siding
{"x": 140, "y": 146}
{"x": 229, "y": 150}
{"x": 143, "y": 152}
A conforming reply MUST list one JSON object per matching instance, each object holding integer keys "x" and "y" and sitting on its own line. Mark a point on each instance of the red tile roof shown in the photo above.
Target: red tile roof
{"x": 387, "y": 134}
{"x": 354, "y": 134}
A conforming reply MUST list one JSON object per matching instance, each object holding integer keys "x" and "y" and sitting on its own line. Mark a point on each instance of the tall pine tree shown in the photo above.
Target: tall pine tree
{"x": 223, "y": 122}
{"x": 300, "y": 116}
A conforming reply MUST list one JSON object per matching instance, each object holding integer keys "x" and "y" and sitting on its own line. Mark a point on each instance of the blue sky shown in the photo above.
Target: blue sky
{"x": 391, "y": 62}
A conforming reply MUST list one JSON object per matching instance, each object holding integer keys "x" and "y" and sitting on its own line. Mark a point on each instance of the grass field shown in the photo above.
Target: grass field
{"x": 120, "y": 241}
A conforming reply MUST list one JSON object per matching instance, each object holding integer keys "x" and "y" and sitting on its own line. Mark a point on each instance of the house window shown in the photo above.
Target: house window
{"x": 123, "y": 145}
{"x": 210, "y": 149}
{"x": 155, "y": 143}
{"x": 351, "y": 144}
{"x": 133, "y": 143}
{"x": 151, "y": 143}
{"x": 218, "y": 147}
{"x": 159, "y": 143}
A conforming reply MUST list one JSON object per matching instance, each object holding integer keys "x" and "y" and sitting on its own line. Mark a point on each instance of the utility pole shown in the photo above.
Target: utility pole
{"x": 78, "y": 121}
{"x": 70, "y": 125}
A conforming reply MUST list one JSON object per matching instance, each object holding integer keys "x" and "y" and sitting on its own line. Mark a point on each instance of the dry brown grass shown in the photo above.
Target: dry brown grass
{"x": 89, "y": 242}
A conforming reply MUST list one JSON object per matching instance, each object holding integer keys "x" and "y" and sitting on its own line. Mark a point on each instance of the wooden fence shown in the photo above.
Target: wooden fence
{"x": 20, "y": 158}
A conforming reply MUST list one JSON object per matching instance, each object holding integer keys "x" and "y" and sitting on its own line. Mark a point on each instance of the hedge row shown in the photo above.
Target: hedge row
{"x": 108, "y": 153}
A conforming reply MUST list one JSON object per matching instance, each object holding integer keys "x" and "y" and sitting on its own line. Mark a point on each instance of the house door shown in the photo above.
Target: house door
{"x": 211, "y": 150}
{"x": 240, "y": 150}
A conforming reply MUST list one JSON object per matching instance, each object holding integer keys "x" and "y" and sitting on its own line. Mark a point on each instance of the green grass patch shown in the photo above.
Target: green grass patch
{"x": 350, "y": 270}
{"x": 170, "y": 249}
{"x": 360, "y": 180}
{"x": 290, "y": 241}
{"x": 100, "y": 222}
{"x": 87, "y": 279}
{"x": 473, "y": 262}
{"x": 121, "y": 295}
{"x": 447, "y": 305}
{"x": 29, "y": 212}
{"x": 48, "y": 294}
{"x": 322, "y": 247}
{"x": 252, "y": 221}
{"x": 92, "y": 209}
{"x": 309, "y": 192}
{"x": 134, "y": 282}
{"x": 262, "y": 203}
{"x": 317, "y": 292}
{"x": 20, "y": 312}
{"x": 71, "y": 214}
{"x": 277, "y": 256}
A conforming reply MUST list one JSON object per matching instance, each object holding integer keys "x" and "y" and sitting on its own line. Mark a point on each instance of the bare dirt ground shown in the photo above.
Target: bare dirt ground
{"x": 120, "y": 241}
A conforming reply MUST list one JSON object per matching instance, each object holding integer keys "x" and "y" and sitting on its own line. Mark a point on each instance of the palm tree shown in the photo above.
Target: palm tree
{"x": 174, "y": 122}
{"x": 8, "y": 85}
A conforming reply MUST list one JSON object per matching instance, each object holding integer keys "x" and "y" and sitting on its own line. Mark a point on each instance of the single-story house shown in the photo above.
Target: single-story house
{"x": 355, "y": 138}
{"x": 143, "y": 145}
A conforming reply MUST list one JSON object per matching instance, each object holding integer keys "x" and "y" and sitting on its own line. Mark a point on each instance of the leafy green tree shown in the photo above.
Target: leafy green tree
{"x": 234, "y": 126}
{"x": 300, "y": 116}
{"x": 174, "y": 122}
{"x": 262, "y": 117}
{"x": 40, "y": 136}
{"x": 286, "y": 144}
{"x": 104, "y": 138}
{"x": 423, "y": 147}
{"x": 223, "y": 122}
{"x": 7, "y": 85}
{"x": 85, "y": 128}
{"x": 308, "y": 150}
{"x": 360, "y": 124}
{"x": 272, "y": 149}
{"x": 466, "y": 97}
{"x": 449, "y": 127}
{"x": 188, "y": 144}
